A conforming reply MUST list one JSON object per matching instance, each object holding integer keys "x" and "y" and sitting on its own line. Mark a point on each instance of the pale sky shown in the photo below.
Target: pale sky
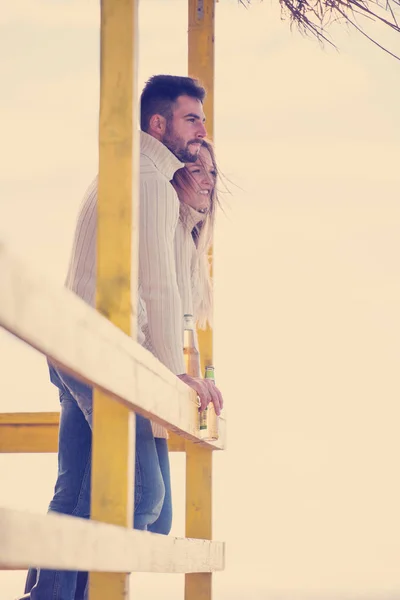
{"x": 307, "y": 284}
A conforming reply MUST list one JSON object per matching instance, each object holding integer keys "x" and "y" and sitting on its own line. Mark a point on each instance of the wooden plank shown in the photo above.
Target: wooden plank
{"x": 32, "y": 418}
{"x": 201, "y": 35}
{"x": 62, "y": 542}
{"x": 201, "y": 52}
{"x": 113, "y": 442}
{"x": 56, "y": 322}
{"x": 113, "y": 456}
{"x": 201, "y": 65}
{"x": 198, "y": 586}
{"x": 176, "y": 443}
{"x": 28, "y": 439}
{"x": 38, "y": 433}
{"x": 112, "y": 483}
{"x": 29, "y": 432}
{"x": 198, "y": 492}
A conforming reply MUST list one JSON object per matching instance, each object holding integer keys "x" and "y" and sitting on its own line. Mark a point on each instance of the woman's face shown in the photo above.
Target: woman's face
{"x": 202, "y": 177}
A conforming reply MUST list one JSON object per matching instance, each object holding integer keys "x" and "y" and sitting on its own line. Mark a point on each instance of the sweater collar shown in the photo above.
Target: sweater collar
{"x": 194, "y": 217}
{"x": 166, "y": 162}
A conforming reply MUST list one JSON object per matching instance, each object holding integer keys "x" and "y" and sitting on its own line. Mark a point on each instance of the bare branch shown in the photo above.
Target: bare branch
{"x": 314, "y": 16}
{"x": 368, "y": 37}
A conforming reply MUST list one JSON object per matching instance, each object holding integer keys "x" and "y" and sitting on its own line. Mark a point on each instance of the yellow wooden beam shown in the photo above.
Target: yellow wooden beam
{"x": 201, "y": 53}
{"x": 34, "y": 419}
{"x": 198, "y": 491}
{"x": 29, "y": 432}
{"x": 198, "y": 459}
{"x": 38, "y": 433}
{"x": 198, "y": 513}
{"x": 176, "y": 443}
{"x": 113, "y": 423}
{"x": 201, "y": 34}
{"x": 28, "y": 438}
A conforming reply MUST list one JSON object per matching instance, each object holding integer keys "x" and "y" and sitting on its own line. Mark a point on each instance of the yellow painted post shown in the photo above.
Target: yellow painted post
{"x": 113, "y": 424}
{"x": 201, "y": 65}
{"x": 198, "y": 586}
{"x": 201, "y": 52}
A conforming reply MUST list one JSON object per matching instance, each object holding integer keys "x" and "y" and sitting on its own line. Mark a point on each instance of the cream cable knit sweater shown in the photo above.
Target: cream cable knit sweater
{"x": 168, "y": 269}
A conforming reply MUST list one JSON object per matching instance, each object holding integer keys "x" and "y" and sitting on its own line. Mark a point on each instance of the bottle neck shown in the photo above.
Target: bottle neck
{"x": 188, "y": 322}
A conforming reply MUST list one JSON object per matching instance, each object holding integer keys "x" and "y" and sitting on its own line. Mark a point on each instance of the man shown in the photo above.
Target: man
{"x": 172, "y": 123}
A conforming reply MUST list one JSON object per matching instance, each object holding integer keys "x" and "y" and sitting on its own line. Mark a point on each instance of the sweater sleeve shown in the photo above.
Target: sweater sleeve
{"x": 159, "y": 212}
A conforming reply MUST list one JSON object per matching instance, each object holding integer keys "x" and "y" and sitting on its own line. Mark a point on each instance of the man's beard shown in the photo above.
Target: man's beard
{"x": 179, "y": 148}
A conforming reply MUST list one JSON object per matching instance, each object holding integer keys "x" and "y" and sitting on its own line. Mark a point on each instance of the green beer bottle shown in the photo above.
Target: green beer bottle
{"x": 190, "y": 352}
{"x": 208, "y": 418}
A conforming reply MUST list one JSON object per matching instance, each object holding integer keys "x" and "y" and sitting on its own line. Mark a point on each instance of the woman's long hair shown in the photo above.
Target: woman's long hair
{"x": 183, "y": 180}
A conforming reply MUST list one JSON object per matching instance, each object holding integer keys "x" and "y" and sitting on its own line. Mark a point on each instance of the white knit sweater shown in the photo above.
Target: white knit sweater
{"x": 168, "y": 269}
{"x": 187, "y": 276}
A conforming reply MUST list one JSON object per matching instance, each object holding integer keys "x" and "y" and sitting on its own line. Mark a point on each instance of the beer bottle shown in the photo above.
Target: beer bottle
{"x": 191, "y": 354}
{"x": 208, "y": 417}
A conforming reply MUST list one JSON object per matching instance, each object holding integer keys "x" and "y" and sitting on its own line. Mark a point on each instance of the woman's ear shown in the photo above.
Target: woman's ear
{"x": 157, "y": 126}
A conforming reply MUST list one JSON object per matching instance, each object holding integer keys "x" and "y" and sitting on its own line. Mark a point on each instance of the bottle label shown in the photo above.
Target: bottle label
{"x": 203, "y": 420}
{"x": 210, "y": 373}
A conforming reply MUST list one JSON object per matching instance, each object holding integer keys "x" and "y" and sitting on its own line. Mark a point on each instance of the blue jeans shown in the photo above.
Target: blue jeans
{"x": 152, "y": 496}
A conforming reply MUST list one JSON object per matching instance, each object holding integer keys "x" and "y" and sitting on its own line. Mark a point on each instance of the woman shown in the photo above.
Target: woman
{"x": 196, "y": 188}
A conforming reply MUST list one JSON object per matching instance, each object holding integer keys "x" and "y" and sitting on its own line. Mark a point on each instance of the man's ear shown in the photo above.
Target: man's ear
{"x": 157, "y": 126}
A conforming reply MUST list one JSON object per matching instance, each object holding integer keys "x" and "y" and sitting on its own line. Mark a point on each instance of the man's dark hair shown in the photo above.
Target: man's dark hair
{"x": 161, "y": 92}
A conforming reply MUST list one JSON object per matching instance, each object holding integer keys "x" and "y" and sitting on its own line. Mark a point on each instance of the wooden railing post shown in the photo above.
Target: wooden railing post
{"x": 198, "y": 586}
{"x": 201, "y": 54}
{"x": 113, "y": 423}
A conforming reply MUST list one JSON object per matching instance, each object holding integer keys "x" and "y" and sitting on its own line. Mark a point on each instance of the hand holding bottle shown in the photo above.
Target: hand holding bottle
{"x": 206, "y": 390}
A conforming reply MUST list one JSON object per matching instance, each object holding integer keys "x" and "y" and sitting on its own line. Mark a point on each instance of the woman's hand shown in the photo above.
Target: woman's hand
{"x": 206, "y": 390}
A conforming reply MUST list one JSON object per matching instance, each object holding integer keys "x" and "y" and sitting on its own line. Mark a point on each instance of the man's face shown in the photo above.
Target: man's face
{"x": 185, "y": 131}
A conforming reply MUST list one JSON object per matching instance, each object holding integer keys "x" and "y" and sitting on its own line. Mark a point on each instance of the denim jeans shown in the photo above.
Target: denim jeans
{"x": 152, "y": 495}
